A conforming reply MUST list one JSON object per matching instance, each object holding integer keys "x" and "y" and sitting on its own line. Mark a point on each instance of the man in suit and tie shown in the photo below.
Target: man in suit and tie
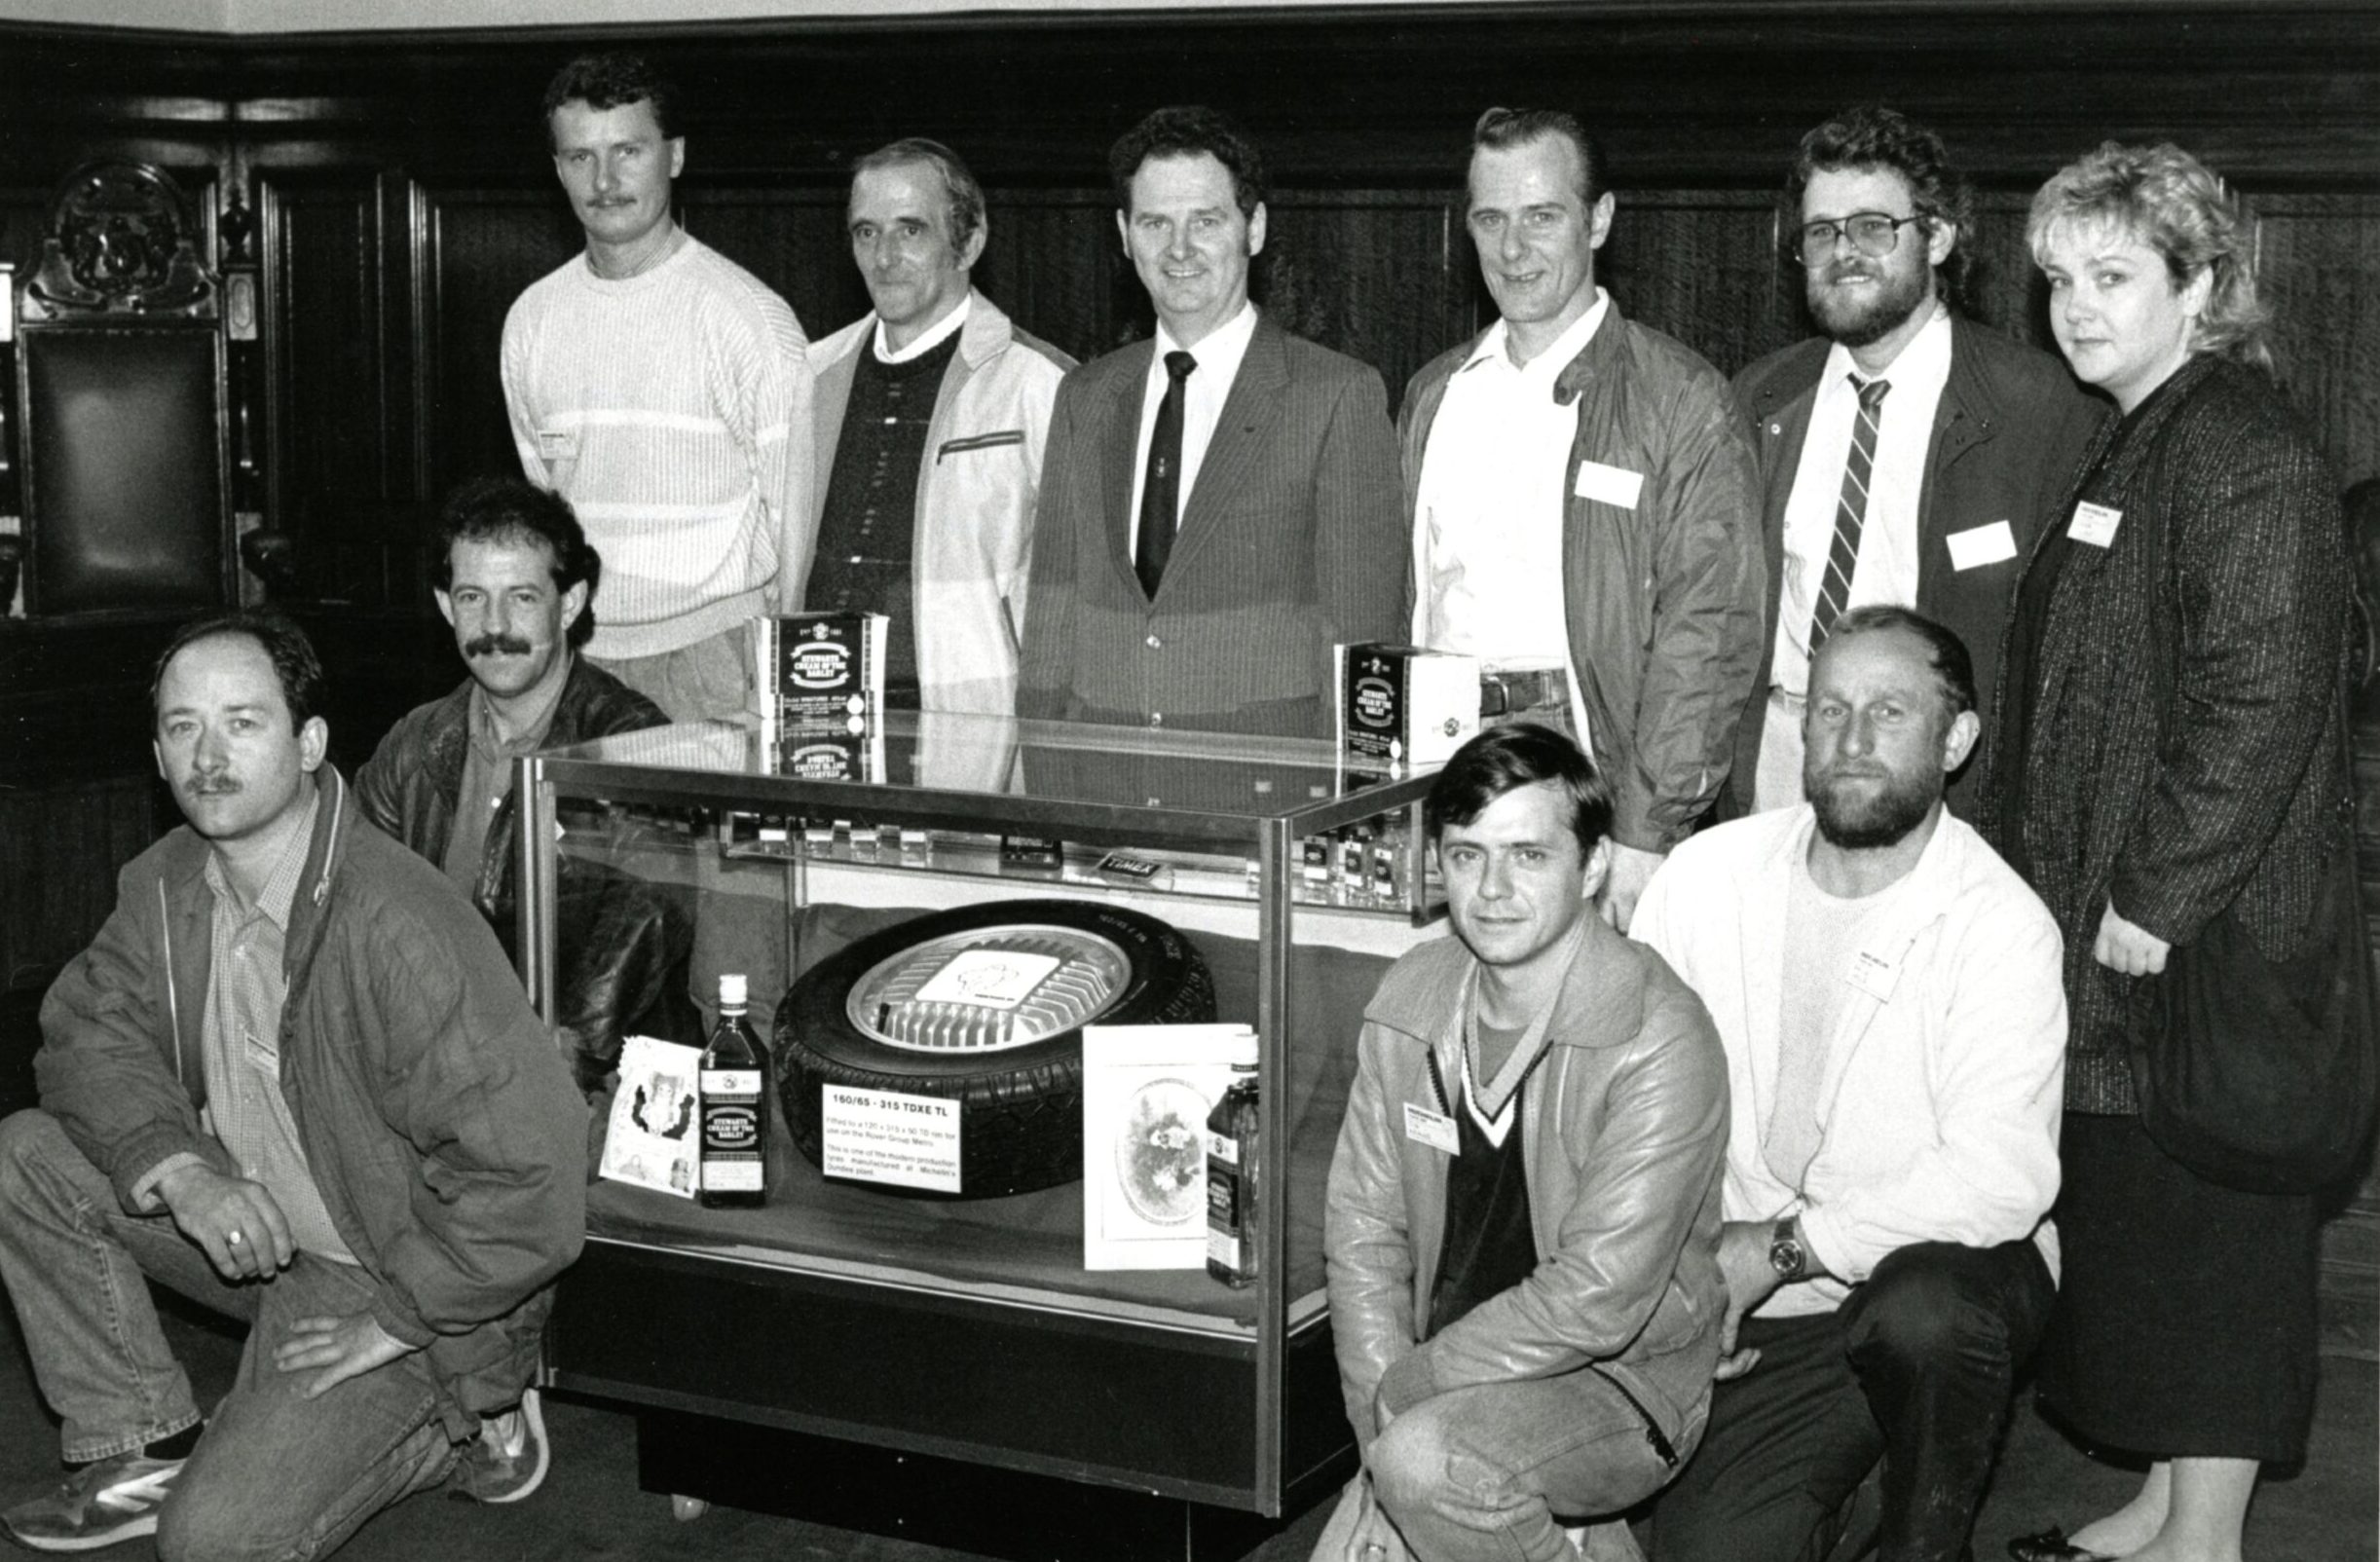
{"x": 1908, "y": 455}
{"x": 1219, "y": 505}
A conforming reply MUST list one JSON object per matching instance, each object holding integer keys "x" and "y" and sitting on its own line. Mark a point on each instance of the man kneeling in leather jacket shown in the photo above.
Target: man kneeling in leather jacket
{"x": 516, "y": 578}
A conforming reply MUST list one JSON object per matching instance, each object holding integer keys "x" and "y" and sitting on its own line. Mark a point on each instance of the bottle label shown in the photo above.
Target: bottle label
{"x": 1223, "y": 1147}
{"x": 732, "y": 1130}
{"x": 1226, "y": 1218}
{"x": 732, "y": 1176}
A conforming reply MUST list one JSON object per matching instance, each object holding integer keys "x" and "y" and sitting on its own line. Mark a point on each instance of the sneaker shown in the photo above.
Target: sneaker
{"x": 113, "y": 1500}
{"x": 508, "y": 1461}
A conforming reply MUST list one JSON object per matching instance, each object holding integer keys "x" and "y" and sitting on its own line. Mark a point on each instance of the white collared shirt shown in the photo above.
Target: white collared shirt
{"x": 1492, "y": 501}
{"x": 1886, "y": 568}
{"x": 933, "y": 335}
{"x": 1202, "y": 396}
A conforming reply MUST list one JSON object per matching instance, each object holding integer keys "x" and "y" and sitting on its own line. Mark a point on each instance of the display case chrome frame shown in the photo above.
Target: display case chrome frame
{"x": 541, "y": 779}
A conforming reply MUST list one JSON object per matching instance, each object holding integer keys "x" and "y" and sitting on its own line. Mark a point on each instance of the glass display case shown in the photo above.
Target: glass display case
{"x": 1259, "y": 882}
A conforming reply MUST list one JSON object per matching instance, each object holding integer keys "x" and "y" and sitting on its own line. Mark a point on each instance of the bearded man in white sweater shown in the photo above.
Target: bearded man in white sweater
{"x": 658, "y": 387}
{"x": 1888, "y": 994}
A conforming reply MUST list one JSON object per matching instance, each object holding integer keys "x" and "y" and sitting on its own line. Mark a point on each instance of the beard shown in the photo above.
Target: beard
{"x": 1853, "y": 817}
{"x": 1856, "y": 322}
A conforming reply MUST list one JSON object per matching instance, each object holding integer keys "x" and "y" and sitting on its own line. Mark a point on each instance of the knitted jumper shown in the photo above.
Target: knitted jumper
{"x": 662, "y": 407}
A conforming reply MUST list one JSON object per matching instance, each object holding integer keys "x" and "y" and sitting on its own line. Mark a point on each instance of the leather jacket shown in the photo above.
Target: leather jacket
{"x": 621, "y": 942}
{"x": 1624, "y": 1124}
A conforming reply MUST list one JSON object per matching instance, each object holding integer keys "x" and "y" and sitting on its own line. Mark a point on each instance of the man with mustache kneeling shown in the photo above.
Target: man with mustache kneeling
{"x": 516, "y": 578}
{"x": 293, "y": 1082}
{"x": 1888, "y": 990}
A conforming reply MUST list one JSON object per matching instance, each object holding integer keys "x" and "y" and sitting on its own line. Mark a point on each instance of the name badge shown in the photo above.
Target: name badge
{"x": 1978, "y": 545}
{"x": 1608, "y": 485}
{"x": 558, "y": 444}
{"x": 1874, "y": 975}
{"x": 2095, "y": 524}
{"x": 1435, "y": 1129}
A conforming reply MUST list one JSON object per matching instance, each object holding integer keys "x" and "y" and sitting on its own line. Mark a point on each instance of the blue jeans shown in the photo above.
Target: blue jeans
{"x": 1480, "y": 1474}
{"x": 276, "y": 1475}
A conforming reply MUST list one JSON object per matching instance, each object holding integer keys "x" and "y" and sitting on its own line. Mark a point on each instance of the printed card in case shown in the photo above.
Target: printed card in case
{"x": 1146, "y": 1093}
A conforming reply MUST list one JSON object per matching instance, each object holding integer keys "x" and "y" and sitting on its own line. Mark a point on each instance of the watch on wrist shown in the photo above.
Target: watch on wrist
{"x": 1786, "y": 1253}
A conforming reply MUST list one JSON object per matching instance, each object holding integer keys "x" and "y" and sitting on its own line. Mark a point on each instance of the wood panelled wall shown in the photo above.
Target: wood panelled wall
{"x": 404, "y": 199}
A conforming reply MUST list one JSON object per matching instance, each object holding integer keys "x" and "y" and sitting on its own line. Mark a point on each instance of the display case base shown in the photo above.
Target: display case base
{"x": 1041, "y": 1392}
{"x": 958, "y": 1506}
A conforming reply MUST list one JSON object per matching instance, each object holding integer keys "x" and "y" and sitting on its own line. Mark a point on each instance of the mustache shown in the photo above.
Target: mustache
{"x": 495, "y": 645}
{"x": 211, "y": 786}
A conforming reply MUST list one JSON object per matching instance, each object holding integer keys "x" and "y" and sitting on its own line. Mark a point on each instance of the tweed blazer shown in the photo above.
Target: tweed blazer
{"x": 1291, "y": 542}
{"x": 2223, "y": 785}
{"x": 2009, "y": 435}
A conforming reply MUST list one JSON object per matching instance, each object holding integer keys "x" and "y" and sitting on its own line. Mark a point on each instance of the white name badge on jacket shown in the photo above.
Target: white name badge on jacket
{"x": 1978, "y": 545}
{"x": 2095, "y": 524}
{"x": 1436, "y": 1130}
{"x": 1608, "y": 485}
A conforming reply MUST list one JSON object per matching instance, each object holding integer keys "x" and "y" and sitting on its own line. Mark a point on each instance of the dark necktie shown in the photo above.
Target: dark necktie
{"x": 1160, "y": 486}
{"x": 1850, "y": 513}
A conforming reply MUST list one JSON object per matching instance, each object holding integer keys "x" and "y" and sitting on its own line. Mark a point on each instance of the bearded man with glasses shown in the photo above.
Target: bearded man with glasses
{"x": 1909, "y": 455}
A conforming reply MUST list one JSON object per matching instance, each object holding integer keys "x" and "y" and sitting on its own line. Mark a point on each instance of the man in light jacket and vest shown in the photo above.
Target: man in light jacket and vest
{"x": 930, "y": 417}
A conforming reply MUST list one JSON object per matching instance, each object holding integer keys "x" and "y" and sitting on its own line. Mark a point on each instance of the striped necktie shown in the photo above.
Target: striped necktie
{"x": 1850, "y": 513}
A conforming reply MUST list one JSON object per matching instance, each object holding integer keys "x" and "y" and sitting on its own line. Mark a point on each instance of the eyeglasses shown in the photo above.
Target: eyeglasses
{"x": 1872, "y": 232}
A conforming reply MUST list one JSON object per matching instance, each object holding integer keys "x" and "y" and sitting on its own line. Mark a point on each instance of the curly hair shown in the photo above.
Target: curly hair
{"x": 1871, "y": 136}
{"x": 509, "y": 511}
{"x": 1184, "y": 131}
{"x": 2174, "y": 204}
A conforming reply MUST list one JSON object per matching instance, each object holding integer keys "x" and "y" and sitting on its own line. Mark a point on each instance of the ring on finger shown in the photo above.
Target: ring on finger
{"x": 235, "y": 1239}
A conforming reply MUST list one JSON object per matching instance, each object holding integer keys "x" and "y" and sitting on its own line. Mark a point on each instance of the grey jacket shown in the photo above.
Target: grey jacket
{"x": 436, "y": 1114}
{"x": 1664, "y": 599}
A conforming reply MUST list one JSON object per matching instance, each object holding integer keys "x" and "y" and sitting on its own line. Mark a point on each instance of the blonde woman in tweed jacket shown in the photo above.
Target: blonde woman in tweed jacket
{"x": 2142, "y": 802}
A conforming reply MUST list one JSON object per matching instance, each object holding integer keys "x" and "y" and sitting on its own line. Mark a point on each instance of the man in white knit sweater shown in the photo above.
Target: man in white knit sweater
{"x": 659, "y": 385}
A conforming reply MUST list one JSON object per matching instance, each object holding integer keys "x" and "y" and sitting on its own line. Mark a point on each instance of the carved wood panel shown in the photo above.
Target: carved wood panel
{"x": 339, "y": 426}
{"x": 1703, "y": 267}
{"x": 1054, "y": 264}
{"x": 2319, "y": 269}
{"x": 1381, "y": 275}
{"x": 478, "y": 248}
{"x": 792, "y": 239}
